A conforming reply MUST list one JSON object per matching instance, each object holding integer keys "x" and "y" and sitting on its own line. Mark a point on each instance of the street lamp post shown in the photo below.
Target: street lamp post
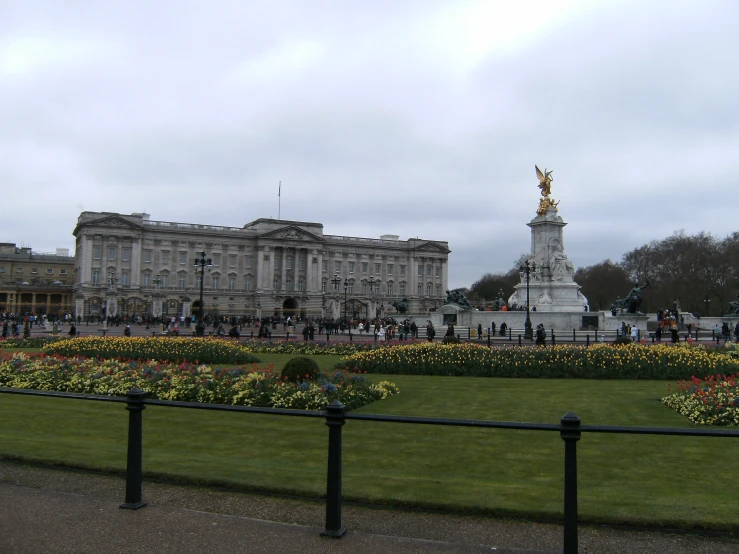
{"x": 371, "y": 281}
{"x": 111, "y": 288}
{"x": 527, "y": 267}
{"x": 707, "y": 302}
{"x": 201, "y": 263}
{"x": 336, "y": 280}
{"x": 346, "y": 288}
{"x": 259, "y": 306}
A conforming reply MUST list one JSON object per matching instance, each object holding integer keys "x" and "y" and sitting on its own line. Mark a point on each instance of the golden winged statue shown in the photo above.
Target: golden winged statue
{"x": 545, "y": 181}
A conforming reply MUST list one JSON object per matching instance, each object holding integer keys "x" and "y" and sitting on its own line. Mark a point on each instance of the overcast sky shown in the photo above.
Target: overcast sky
{"x": 416, "y": 118}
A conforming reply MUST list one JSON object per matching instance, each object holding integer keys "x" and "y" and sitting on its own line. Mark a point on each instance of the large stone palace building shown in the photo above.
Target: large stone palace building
{"x": 35, "y": 282}
{"x": 131, "y": 264}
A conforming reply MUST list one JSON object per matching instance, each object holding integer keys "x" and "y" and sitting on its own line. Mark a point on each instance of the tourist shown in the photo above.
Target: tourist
{"x": 736, "y": 332}
{"x": 479, "y": 331}
{"x": 73, "y": 331}
{"x": 127, "y": 331}
{"x": 503, "y": 328}
{"x": 541, "y": 335}
{"x": 492, "y": 329}
{"x": 634, "y": 333}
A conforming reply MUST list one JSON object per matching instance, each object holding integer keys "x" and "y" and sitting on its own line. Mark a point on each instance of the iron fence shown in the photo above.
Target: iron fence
{"x": 569, "y": 428}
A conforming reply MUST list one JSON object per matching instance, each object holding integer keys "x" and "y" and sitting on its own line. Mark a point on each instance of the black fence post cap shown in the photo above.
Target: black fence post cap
{"x": 570, "y": 426}
{"x": 136, "y": 394}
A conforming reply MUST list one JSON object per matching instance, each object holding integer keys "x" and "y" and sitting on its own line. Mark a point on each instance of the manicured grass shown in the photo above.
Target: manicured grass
{"x": 622, "y": 479}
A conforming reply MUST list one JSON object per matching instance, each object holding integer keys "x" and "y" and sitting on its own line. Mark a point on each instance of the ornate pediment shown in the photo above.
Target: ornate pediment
{"x": 291, "y": 232}
{"x": 432, "y": 246}
{"x": 112, "y": 221}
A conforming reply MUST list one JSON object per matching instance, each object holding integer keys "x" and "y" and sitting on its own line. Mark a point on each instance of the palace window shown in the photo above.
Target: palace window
{"x": 232, "y": 260}
{"x": 402, "y": 270}
{"x": 181, "y": 280}
{"x": 275, "y": 284}
{"x": 249, "y": 261}
{"x": 428, "y": 289}
{"x": 420, "y": 270}
{"x": 324, "y": 265}
{"x": 289, "y": 262}
{"x": 420, "y": 289}
{"x": 217, "y": 260}
{"x": 438, "y": 271}
{"x": 390, "y": 289}
{"x": 96, "y": 276}
{"x": 428, "y": 271}
{"x": 126, "y": 254}
{"x": 165, "y": 279}
{"x": 97, "y": 252}
{"x": 438, "y": 290}
{"x": 50, "y": 272}
{"x": 337, "y": 267}
{"x": 390, "y": 269}
{"x": 301, "y": 263}
{"x": 165, "y": 257}
{"x": 147, "y": 256}
{"x": 111, "y": 253}
{"x": 198, "y": 280}
{"x": 288, "y": 284}
{"x": 350, "y": 289}
{"x": 231, "y": 283}
{"x": 215, "y": 281}
{"x": 351, "y": 267}
{"x": 183, "y": 258}
{"x": 125, "y": 278}
{"x": 364, "y": 268}
{"x": 377, "y": 268}
{"x": 324, "y": 285}
{"x": 247, "y": 283}
{"x": 402, "y": 289}
{"x": 301, "y": 285}
{"x": 147, "y": 279}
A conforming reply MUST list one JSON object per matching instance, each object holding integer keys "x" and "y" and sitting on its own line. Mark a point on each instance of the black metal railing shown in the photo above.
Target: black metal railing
{"x": 569, "y": 428}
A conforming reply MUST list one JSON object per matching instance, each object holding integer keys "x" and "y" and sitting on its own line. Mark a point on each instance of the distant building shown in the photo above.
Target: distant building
{"x": 265, "y": 268}
{"x": 35, "y": 282}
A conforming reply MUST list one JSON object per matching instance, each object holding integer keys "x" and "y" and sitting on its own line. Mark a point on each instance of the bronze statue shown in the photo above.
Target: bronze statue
{"x": 632, "y": 301}
{"x": 457, "y": 297}
{"x": 401, "y": 306}
{"x": 733, "y": 307}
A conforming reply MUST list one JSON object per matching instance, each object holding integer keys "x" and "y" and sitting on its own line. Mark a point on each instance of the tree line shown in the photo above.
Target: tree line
{"x": 700, "y": 272}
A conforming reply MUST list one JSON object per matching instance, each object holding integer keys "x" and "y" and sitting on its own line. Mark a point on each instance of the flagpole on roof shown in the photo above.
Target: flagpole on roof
{"x": 279, "y": 198}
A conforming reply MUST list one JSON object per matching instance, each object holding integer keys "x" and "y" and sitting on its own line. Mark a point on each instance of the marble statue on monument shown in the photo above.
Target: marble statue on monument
{"x": 551, "y": 283}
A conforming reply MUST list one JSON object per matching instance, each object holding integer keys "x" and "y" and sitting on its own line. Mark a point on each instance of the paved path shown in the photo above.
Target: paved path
{"x": 47, "y": 510}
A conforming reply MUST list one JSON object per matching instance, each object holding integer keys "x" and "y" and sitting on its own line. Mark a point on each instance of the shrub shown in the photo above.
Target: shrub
{"x": 450, "y": 340}
{"x": 300, "y": 368}
{"x": 622, "y": 340}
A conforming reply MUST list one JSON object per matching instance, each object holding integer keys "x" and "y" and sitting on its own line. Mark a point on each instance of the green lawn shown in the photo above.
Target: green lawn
{"x": 672, "y": 481}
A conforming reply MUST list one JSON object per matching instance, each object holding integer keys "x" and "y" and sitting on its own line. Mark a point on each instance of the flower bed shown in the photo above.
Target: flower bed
{"x": 306, "y": 348}
{"x": 713, "y": 400}
{"x": 36, "y": 342}
{"x": 596, "y": 362}
{"x": 247, "y": 386}
{"x": 169, "y": 349}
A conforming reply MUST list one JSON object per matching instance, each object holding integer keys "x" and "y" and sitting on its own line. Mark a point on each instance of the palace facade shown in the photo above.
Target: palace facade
{"x": 38, "y": 283}
{"x": 132, "y": 265}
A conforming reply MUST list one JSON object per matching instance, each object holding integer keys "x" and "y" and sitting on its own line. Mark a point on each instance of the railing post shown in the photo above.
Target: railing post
{"x": 335, "y": 420}
{"x": 553, "y": 341}
{"x": 519, "y": 340}
{"x": 510, "y": 334}
{"x": 135, "y": 406}
{"x": 488, "y": 336}
{"x": 570, "y": 433}
{"x": 574, "y": 338}
{"x": 587, "y": 341}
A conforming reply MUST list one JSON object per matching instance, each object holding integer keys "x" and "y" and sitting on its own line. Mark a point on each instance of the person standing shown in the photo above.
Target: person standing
{"x": 479, "y": 331}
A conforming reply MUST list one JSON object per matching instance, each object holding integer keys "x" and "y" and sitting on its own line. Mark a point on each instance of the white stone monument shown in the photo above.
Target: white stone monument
{"x": 550, "y": 282}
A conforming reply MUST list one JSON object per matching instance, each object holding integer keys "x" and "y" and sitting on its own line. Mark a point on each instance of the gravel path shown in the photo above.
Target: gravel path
{"x": 53, "y": 510}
